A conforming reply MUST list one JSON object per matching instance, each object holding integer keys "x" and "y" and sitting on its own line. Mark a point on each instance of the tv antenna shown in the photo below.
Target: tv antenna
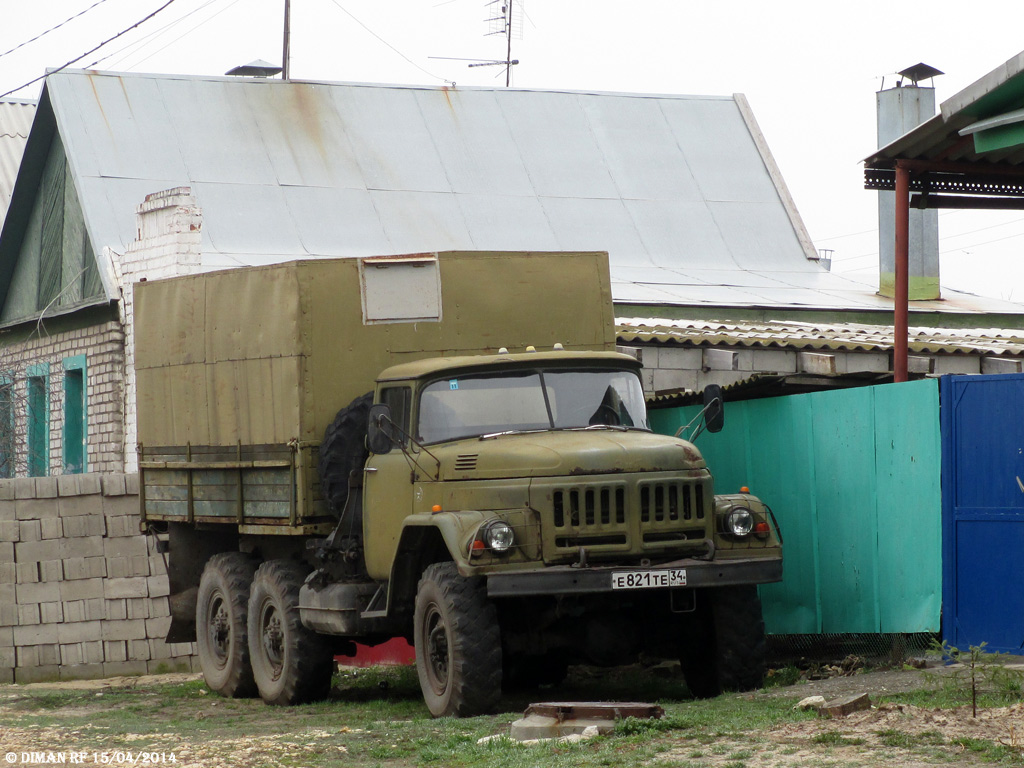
{"x": 503, "y": 21}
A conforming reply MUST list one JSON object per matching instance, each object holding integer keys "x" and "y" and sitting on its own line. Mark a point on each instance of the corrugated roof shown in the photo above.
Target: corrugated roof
{"x": 15, "y": 121}
{"x": 680, "y": 190}
{"x": 820, "y": 336}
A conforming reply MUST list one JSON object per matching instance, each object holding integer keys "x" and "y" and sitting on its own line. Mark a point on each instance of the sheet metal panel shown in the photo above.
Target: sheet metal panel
{"x": 983, "y": 511}
{"x": 15, "y": 121}
{"x": 853, "y": 477}
{"x": 359, "y": 232}
{"x": 677, "y": 234}
{"x": 234, "y": 218}
{"x": 414, "y": 222}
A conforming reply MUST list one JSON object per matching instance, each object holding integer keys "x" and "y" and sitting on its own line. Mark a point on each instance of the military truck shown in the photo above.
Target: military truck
{"x": 440, "y": 447}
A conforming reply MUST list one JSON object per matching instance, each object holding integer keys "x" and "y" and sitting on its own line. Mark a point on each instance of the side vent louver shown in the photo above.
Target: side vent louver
{"x": 465, "y": 462}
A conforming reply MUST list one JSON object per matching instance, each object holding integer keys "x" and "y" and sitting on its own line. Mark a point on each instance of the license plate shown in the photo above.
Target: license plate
{"x": 671, "y": 577}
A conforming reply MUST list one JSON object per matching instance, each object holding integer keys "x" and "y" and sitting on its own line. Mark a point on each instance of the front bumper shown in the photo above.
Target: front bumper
{"x": 572, "y": 580}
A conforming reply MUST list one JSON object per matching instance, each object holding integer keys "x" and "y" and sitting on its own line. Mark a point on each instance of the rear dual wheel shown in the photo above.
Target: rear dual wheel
{"x": 221, "y": 624}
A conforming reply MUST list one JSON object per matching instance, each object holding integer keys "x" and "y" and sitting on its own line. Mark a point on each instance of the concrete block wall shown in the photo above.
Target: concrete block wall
{"x": 668, "y": 367}
{"x": 83, "y": 594}
{"x": 103, "y": 347}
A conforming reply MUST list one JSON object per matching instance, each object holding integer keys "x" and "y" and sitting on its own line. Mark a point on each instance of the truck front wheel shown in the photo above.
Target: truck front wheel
{"x": 221, "y": 632}
{"x": 458, "y": 644}
{"x": 724, "y": 650}
{"x": 291, "y": 664}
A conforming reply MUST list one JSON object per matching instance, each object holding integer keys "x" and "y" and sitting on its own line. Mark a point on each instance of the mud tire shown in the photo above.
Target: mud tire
{"x": 343, "y": 450}
{"x": 290, "y": 664}
{"x": 458, "y": 644}
{"x": 725, "y": 650}
{"x": 221, "y": 624}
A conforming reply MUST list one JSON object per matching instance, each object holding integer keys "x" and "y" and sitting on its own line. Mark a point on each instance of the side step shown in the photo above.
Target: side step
{"x": 377, "y": 608}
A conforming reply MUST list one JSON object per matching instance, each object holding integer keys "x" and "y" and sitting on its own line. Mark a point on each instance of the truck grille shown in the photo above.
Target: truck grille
{"x": 623, "y": 517}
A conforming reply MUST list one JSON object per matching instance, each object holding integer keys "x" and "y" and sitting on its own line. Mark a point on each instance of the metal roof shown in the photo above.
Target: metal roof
{"x": 680, "y": 190}
{"x": 819, "y": 336}
{"x": 15, "y": 121}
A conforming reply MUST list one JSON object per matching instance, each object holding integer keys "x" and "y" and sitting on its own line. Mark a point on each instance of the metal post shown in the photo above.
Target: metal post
{"x": 901, "y": 297}
{"x": 285, "y": 68}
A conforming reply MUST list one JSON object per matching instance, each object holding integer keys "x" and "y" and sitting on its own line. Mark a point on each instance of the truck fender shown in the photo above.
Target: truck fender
{"x": 429, "y": 539}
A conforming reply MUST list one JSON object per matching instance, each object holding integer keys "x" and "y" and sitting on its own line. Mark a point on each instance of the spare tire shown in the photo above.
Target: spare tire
{"x": 343, "y": 451}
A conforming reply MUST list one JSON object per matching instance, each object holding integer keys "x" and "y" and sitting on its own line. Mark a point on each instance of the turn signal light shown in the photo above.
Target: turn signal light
{"x": 744, "y": 489}
{"x": 436, "y": 508}
{"x": 477, "y": 544}
{"x": 762, "y": 527}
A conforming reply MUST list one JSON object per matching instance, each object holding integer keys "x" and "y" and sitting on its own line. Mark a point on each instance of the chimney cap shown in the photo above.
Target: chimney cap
{"x": 258, "y": 68}
{"x": 919, "y": 72}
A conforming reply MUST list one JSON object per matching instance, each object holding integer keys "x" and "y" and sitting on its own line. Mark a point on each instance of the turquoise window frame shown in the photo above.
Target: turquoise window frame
{"x": 37, "y": 407}
{"x": 76, "y": 416}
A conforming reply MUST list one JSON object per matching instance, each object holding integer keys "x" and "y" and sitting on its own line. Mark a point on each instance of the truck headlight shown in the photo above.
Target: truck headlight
{"x": 498, "y": 536}
{"x": 739, "y": 522}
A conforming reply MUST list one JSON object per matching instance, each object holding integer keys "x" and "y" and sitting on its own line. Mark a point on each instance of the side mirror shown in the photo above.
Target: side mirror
{"x": 714, "y": 408}
{"x": 379, "y": 429}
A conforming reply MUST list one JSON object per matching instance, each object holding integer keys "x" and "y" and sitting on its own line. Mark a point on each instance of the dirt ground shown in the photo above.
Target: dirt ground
{"x": 887, "y": 735}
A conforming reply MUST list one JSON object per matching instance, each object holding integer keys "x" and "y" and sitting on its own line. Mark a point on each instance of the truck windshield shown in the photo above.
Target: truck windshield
{"x": 475, "y": 405}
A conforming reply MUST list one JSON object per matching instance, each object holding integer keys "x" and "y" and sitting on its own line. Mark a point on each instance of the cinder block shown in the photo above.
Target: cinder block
{"x": 24, "y": 488}
{"x": 665, "y": 380}
{"x": 118, "y": 668}
{"x": 122, "y": 525}
{"x": 138, "y": 650}
{"x": 158, "y": 649}
{"x": 50, "y": 613}
{"x": 85, "y": 567}
{"x": 10, "y": 530}
{"x": 159, "y": 586}
{"x": 75, "y": 506}
{"x": 131, "y": 546}
{"x": 129, "y": 629}
{"x": 81, "y": 589}
{"x": 138, "y": 607}
{"x": 114, "y": 485}
{"x": 51, "y": 570}
{"x": 131, "y": 587}
{"x": 84, "y": 525}
{"x": 25, "y": 675}
{"x": 721, "y": 360}
{"x": 816, "y": 362}
{"x": 988, "y": 365}
{"x": 874, "y": 362}
{"x": 29, "y": 614}
{"x": 131, "y": 483}
{"x": 116, "y": 610}
{"x": 674, "y": 358}
{"x": 78, "y": 485}
{"x": 71, "y": 653}
{"x": 95, "y": 609}
{"x": 156, "y": 629}
{"x": 46, "y": 487}
{"x": 6, "y": 489}
{"x": 92, "y": 652}
{"x": 773, "y": 360}
{"x": 36, "y": 634}
{"x": 6, "y": 633}
{"x": 27, "y": 656}
{"x": 8, "y": 615}
{"x": 81, "y": 672}
{"x": 6, "y": 551}
{"x": 89, "y": 546}
{"x": 8, "y": 657}
{"x": 80, "y": 632}
{"x": 159, "y": 606}
{"x": 38, "y": 592}
{"x": 7, "y": 510}
{"x": 28, "y": 572}
{"x": 29, "y": 530}
{"x": 49, "y": 654}
{"x": 35, "y": 509}
{"x": 920, "y": 364}
{"x": 74, "y": 610}
{"x": 51, "y": 528}
{"x": 958, "y": 364}
{"x": 115, "y": 650}
{"x": 36, "y": 551}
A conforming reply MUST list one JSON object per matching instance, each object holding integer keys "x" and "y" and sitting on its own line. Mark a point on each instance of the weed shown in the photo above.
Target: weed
{"x": 836, "y": 739}
{"x": 981, "y": 671}
{"x": 778, "y": 678}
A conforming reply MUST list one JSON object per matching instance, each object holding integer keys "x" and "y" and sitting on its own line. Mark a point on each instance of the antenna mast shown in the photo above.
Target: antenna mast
{"x": 502, "y": 21}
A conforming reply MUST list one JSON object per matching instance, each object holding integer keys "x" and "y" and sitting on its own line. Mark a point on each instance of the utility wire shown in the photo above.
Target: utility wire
{"x": 51, "y": 29}
{"x": 90, "y": 51}
{"x": 145, "y": 39}
{"x": 389, "y": 45}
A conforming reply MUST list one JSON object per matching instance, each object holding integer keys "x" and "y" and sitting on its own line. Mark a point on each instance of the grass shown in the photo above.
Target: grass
{"x": 376, "y": 718}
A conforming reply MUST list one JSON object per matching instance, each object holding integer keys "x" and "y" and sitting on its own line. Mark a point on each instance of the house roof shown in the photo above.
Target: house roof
{"x": 680, "y": 190}
{"x": 15, "y": 120}
{"x": 850, "y": 337}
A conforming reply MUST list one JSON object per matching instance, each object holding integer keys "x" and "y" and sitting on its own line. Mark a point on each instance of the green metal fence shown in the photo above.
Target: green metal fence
{"x": 853, "y": 478}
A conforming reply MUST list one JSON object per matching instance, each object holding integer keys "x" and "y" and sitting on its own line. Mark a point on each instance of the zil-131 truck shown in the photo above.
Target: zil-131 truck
{"x": 441, "y": 447}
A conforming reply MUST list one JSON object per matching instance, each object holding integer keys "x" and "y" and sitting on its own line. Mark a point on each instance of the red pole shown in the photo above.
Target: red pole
{"x": 901, "y": 299}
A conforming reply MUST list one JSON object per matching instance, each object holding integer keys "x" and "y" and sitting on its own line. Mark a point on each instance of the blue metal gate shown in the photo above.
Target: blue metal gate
{"x": 983, "y": 511}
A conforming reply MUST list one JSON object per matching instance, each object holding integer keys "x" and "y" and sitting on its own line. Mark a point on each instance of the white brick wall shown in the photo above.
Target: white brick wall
{"x": 168, "y": 244}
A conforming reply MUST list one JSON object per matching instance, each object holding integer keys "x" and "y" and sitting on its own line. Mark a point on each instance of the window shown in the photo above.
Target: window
{"x": 397, "y": 400}
{"x": 7, "y": 453}
{"x": 38, "y": 418}
{"x": 74, "y": 415}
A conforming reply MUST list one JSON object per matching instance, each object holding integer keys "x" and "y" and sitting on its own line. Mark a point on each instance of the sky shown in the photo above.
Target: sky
{"x": 809, "y": 69}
